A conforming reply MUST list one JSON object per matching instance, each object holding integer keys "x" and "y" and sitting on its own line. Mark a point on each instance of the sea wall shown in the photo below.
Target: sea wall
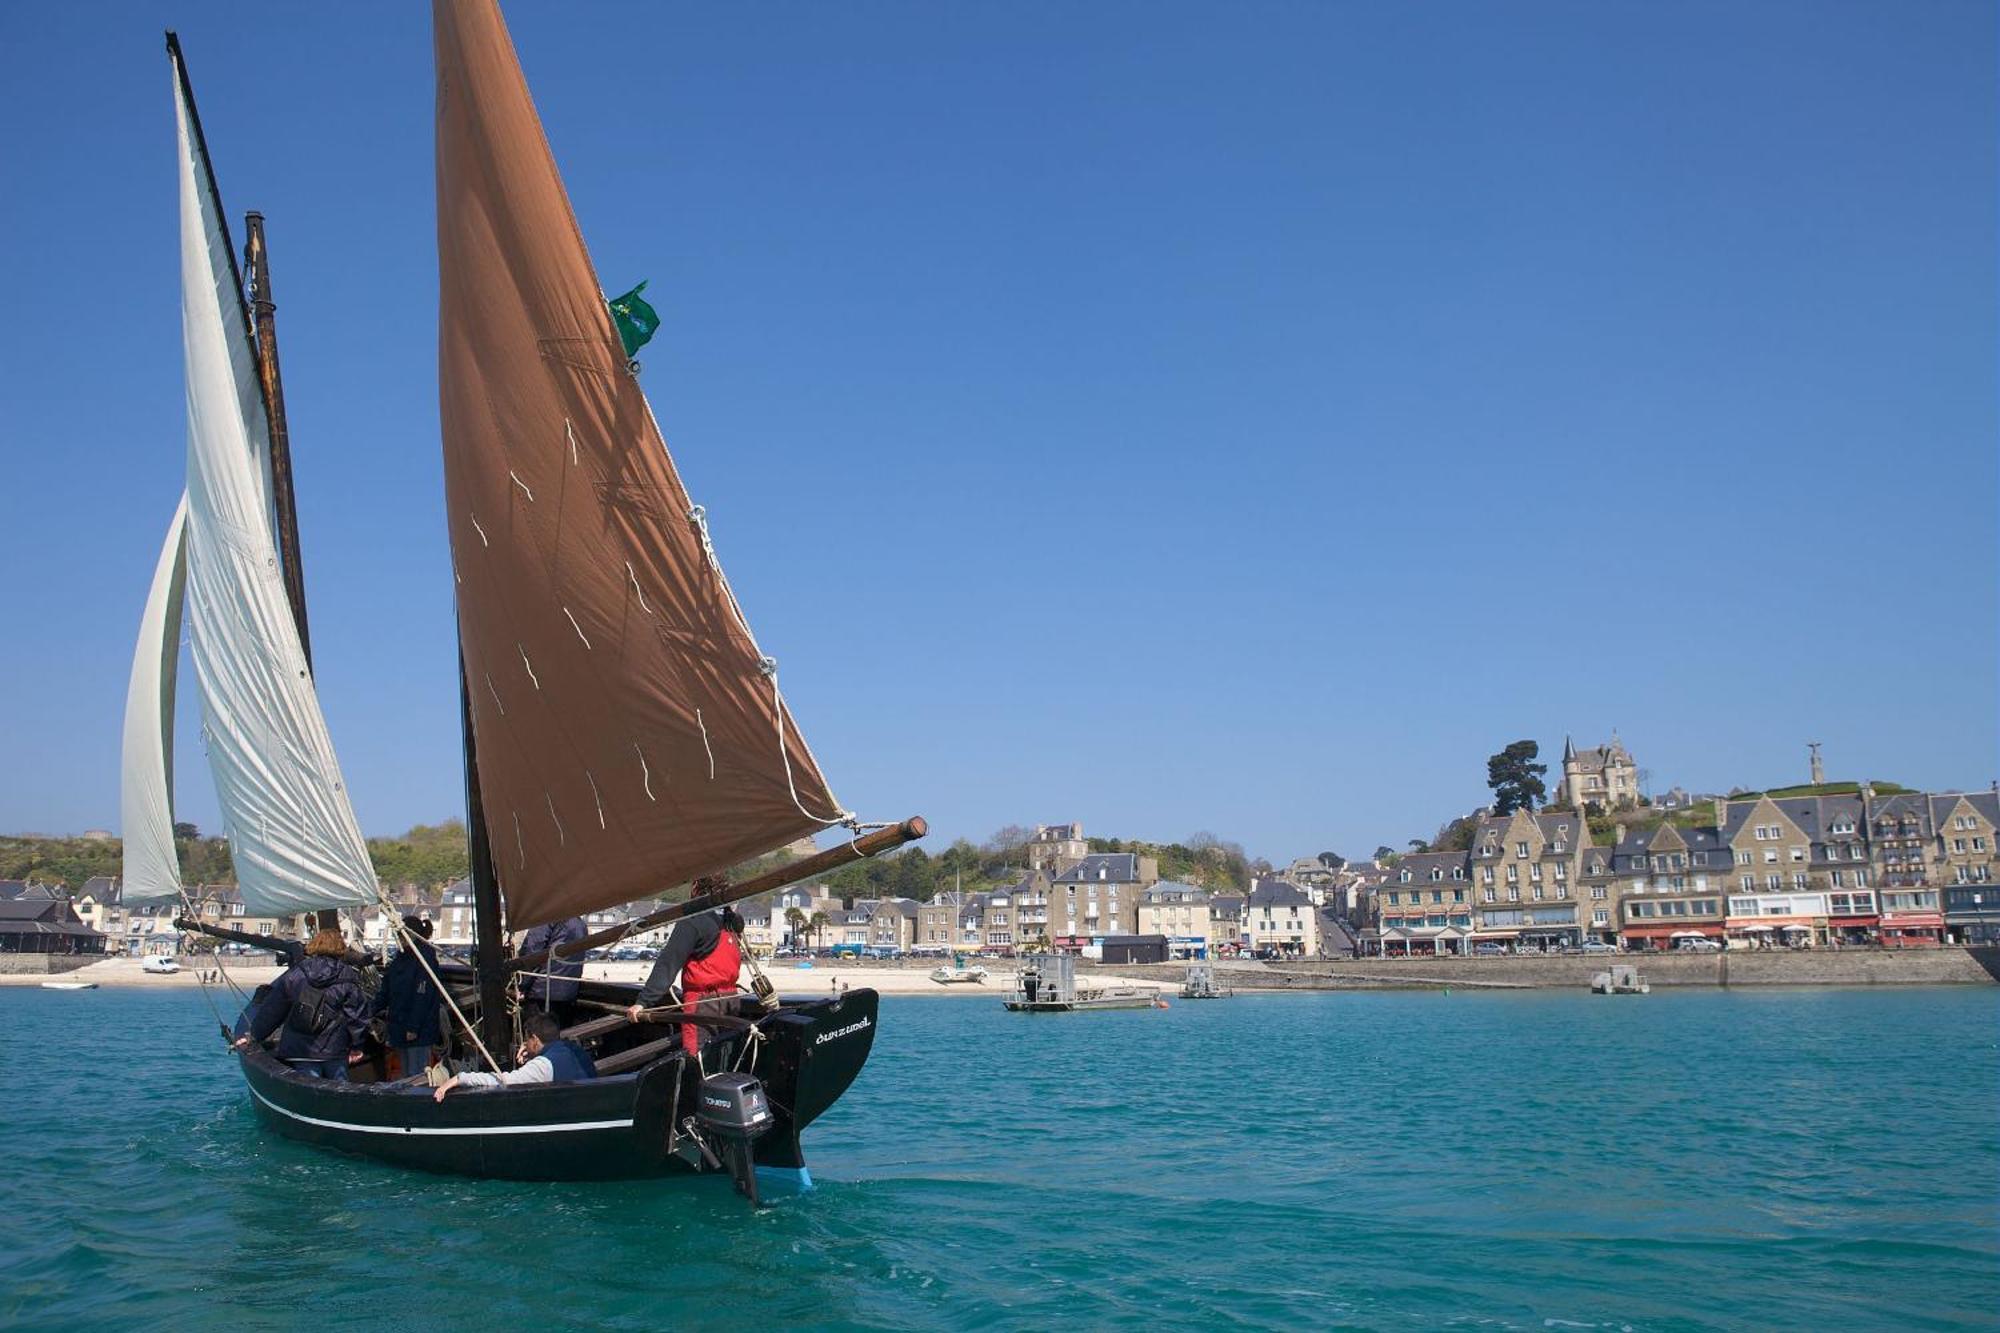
{"x": 1814, "y": 967}
{"x": 45, "y": 964}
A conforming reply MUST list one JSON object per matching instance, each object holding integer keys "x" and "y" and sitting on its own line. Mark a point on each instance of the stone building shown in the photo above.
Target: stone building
{"x": 1056, "y": 847}
{"x": 937, "y": 921}
{"x": 1098, "y": 896}
{"x": 1527, "y": 871}
{"x": 1606, "y": 777}
{"x": 1424, "y": 906}
{"x": 1666, "y": 884}
{"x": 1225, "y": 923}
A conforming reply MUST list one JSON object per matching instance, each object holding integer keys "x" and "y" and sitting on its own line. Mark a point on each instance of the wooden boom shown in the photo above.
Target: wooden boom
{"x": 881, "y": 840}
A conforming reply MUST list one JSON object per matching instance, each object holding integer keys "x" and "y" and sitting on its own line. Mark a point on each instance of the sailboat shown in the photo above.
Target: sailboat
{"x": 623, "y": 731}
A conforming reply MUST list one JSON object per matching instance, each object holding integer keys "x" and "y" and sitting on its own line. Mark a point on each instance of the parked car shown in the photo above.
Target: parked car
{"x": 1596, "y": 946}
{"x": 1489, "y": 949}
{"x": 1703, "y": 945}
{"x": 159, "y": 965}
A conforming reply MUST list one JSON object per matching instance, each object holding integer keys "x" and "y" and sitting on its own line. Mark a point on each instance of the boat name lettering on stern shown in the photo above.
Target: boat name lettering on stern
{"x": 825, "y": 1037}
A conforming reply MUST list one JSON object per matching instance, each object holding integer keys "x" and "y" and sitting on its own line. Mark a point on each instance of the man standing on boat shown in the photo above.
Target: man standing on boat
{"x": 554, "y": 991}
{"x": 322, "y": 1008}
{"x": 704, "y": 953}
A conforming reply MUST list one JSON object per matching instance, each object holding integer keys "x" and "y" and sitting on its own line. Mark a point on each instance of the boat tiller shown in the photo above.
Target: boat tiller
{"x": 735, "y": 1111}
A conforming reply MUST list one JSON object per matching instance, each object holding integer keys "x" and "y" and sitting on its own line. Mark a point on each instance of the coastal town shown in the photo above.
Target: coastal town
{"x": 1600, "y": 867}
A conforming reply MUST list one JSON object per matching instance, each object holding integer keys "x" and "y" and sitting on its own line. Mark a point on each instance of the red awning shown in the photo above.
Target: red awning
{"x": 1851, "y": 920}
{"x": 1668, "y": 932}
{"x": 1910, "y": 920}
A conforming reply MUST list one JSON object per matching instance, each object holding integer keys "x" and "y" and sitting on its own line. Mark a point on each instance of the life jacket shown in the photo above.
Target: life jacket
{"x": 571, "y": 1063}
{"x": 715, "y": 972}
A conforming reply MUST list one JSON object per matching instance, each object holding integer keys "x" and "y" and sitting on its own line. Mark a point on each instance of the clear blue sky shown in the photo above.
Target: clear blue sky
{"x": 1169, "y": 416}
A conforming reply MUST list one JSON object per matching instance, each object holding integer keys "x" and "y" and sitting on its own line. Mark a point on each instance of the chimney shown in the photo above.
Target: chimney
{"x": 1721, "y": 812}
{"x": 1617, "y": 834}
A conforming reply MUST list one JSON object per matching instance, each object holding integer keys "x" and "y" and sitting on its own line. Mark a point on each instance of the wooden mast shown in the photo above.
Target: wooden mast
{"x": 489, "y": 940}
{"x": 284, "y": 502}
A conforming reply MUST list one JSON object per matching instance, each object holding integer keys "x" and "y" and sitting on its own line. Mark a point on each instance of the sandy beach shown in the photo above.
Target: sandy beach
{"x": 820, "y": 979}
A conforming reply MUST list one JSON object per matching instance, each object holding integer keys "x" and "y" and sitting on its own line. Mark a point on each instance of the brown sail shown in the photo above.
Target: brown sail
{"x": 630, "y": 735}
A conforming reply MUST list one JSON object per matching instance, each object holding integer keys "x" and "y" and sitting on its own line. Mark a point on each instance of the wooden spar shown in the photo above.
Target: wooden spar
{"x": 881, "y": 840}
{"x": 490, "y": 940}
{"x": 264, "y": 323}
{"x": 271, "y": 942}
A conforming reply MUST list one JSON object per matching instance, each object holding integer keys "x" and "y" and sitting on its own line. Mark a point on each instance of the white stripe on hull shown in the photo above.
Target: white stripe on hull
{"x": 573, "y": 1127}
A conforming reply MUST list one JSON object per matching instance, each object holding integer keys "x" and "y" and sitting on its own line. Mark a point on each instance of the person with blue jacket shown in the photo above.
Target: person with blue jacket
{"x": 408, "y": 999}
{"x": 545, "y": 1057}
{"x": 321, "y": 1008}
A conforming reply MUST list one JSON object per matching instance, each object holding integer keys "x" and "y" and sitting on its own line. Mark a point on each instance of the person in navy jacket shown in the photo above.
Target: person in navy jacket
{"x": 321, "y": 1008}
{"x": 555, "y": 992}
{"x": 408, "y": 1000}
{"x": 545, "y": 1057}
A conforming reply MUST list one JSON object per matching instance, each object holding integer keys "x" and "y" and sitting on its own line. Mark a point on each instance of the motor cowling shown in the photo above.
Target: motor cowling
{"x": 733, "y": 1107}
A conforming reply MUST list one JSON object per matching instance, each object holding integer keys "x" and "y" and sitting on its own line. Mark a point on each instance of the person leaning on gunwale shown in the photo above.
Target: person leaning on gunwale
{"x": 321, "y": 1007}
{"x": 545, "y": 1057}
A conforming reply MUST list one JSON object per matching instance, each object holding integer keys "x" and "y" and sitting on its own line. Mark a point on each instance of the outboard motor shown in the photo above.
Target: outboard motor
{"x": 735, "y": 1111}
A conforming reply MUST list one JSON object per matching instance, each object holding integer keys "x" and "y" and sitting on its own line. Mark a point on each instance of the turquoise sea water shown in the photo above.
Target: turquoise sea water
{"x": 1800, "y": 1159}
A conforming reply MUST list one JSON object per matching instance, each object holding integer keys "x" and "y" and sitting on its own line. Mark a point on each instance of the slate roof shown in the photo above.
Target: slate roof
{"x": 1116, "y": 868}
{"x": 47, "y": 916}
{"x": 1173, "y": 891}
{"x": 1277, "y": 893}
{"x": 1420, "y": 864}
{"x": 1226, "y": 907}
{"x": 1986, "y": 803}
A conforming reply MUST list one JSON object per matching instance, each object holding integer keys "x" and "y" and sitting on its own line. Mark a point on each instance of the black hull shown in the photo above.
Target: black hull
{"x": 614, "y": 1128}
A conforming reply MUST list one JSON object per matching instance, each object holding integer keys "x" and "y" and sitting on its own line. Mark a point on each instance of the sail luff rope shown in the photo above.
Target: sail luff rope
{"x": 698, "y": 515}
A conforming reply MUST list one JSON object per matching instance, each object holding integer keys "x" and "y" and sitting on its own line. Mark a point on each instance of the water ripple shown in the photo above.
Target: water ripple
{"x": 1689, "y": 1161}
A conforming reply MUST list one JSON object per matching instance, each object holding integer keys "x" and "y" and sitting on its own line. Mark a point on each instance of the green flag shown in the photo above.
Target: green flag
{"x": 637, "y": 321}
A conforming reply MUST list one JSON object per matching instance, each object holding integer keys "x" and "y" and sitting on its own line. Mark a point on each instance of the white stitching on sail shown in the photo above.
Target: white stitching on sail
{"x": 705, "y": 745}
{"x": 481, "y": 531}
{"x": 562, "y": 838}
{"x": 595, "y": 797}
{"x": 636, "y": 588}
{"x": 496, "y": 695}
{"x": 530, "y": 665}
{"x": 578, "y": 628}
{"x": 520, "y": 847}
{"x": 645, "y": 771}
{"x": 522, "y": 484}
{"x": 570, "y": 431}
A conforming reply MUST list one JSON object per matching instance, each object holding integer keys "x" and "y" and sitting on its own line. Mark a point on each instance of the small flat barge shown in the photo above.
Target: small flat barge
{"x": 1047, "y": 985}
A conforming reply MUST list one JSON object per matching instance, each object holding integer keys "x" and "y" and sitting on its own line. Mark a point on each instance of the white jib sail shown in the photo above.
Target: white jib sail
{"x": 146, "y": 789}
{"x": 292, "y": 832}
